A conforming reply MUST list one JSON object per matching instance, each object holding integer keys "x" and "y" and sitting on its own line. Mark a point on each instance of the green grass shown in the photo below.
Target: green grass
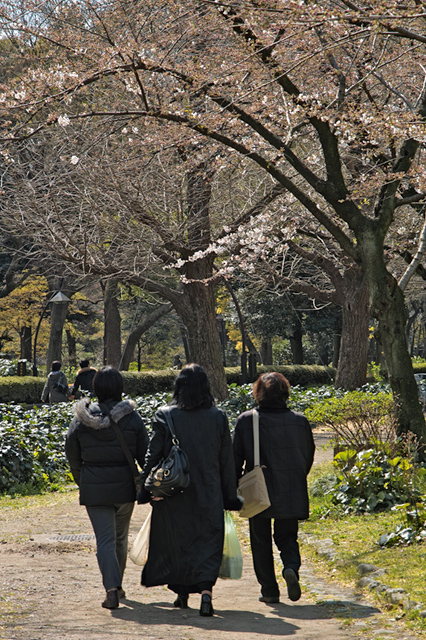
{"x": 355, "y": 539}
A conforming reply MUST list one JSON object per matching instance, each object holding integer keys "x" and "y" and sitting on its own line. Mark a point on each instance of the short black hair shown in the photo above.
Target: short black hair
{"x": 108, "y": 384}
{"x": 56, "y": 365}
{"x": 84, "y": 363}
{"x": 192, "y": 389}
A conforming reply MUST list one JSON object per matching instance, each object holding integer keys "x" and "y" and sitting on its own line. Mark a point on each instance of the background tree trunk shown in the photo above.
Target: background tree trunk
{"x": 25, "y": 335}
{"x": 112, "y": 324}
{"x": 198, "y": 312}
{"x": 58, "y": 314}
{"x": 296, "y": 344}
{"x": 352, "y": 367}
{"x": 266, "y": 351}
{"x": 148, "y": 321}
{"x": 72, "y": 348}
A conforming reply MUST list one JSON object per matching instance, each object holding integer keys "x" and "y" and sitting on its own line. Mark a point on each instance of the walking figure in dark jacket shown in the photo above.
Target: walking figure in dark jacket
{"x": 186, "y": 540}
{"x": 84, "y": 379}
{"x": 286, "y": 452}
{"x": 56, "y": 387}
{"x": 100, "y": 468}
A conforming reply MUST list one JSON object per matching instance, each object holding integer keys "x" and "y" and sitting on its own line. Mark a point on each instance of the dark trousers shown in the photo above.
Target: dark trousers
{"x": 285, "y": 537}
{"x": 111, "y": 526}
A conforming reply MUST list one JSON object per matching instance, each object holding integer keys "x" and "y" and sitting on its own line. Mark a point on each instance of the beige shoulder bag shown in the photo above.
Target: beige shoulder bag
{"x": 252, "y": 485}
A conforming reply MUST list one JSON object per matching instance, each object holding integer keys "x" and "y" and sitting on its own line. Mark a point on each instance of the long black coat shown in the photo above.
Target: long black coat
{"x": 96, "y": 458}
{"x": 287, "y": 451}
{"x": 186, "y": 541}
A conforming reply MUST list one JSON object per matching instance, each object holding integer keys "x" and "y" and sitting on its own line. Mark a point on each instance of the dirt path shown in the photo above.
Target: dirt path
{"x": 50, "y": 589}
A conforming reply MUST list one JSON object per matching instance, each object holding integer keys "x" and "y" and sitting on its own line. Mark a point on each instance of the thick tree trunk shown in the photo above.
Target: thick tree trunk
{"x": 352, "y": 367}
{"x": 198, "y": 312}
{"x": 58, "y": 314}
{"x": 148, "y": 321}
{"x": 266, "y": 351}
{"x": 112, "y": 325}
{"x": 387, "y": 305}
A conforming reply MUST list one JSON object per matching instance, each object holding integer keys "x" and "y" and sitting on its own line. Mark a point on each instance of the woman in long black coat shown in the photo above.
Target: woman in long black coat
{"x": 186, "y": 541}
{"x": 286, "y": 455}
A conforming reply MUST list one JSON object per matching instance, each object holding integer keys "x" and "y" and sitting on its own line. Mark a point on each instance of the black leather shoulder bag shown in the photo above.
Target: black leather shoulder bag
{"x": 171, "y": 475}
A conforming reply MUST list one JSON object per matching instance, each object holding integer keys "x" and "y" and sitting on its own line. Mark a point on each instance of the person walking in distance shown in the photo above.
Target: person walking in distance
{"x": 84, "y": 380}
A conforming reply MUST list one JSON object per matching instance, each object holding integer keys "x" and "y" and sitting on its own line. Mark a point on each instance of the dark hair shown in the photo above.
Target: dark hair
{"x": 108, "y": 384}
{"x": 84, "y": 363}
{"x": 192, "y": 389}
{"x": 56, "y": 365}
{"x": 271, "y": 389}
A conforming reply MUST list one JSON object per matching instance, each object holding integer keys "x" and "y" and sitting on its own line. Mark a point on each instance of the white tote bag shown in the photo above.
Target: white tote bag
{"x": 139, "y": 551}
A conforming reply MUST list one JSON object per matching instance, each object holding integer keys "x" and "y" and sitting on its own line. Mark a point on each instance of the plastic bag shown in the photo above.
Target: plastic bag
{"x": 139, "y": 551}
{"x": 232, "y": 559}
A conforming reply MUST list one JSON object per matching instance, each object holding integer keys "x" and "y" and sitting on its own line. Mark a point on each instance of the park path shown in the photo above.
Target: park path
{"x": 50, "y": 589}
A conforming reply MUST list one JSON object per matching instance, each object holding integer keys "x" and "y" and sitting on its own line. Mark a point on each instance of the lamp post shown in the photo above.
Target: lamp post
{"x": 57, "y": 298}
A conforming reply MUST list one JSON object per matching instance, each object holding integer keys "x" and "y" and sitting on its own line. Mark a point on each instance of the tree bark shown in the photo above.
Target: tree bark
{"x": 148, "y": 321}
{"x": 72, "y": 350}
{"x": 25, "y": 340}
{"x": 266, "y": 351}
{"x": 337, "y": 338}
{"x": 296, "y": 344}
{"x": 58, "y": 314}
{"x": 198, "y": 312}
{"x": 352, "y": 367}
{"x": 112, "y": 325}
{"x": 387, "y": 305}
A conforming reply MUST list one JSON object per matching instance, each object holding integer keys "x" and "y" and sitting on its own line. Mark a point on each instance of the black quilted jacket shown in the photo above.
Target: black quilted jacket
{"x": 287, "y": 452}
{"x": 95, "y": 456}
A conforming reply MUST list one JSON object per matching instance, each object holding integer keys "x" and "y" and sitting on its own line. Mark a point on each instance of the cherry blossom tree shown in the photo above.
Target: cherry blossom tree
{"x": 327, "y": 99}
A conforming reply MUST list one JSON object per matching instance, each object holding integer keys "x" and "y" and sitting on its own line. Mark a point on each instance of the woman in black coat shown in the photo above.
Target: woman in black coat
{"x": 287, "y": 453}
{"x": 186, "y": 541}
{"x": 100, "y": 469}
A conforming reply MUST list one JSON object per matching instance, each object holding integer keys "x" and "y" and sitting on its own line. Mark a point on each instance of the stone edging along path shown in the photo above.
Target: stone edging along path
{"x": 370, "y": 575}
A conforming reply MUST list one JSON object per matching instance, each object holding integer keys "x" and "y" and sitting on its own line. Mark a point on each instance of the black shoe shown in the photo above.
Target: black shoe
{"x": 269, "y": 599}
{"x": 181, "y": 601}
{"x": 121, "y": 593}
{"x": 206, "y": 608}
{"x": 293, "y": 586}
{"x": 111, "y": 600}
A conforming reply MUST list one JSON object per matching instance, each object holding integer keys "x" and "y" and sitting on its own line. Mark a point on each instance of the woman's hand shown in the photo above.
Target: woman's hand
{"x": 156, "y": 499}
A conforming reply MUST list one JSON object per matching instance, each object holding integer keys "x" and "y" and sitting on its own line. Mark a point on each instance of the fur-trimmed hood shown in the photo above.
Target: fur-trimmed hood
{"x": 90, "y": 414}
{"x": 86, "y": 370}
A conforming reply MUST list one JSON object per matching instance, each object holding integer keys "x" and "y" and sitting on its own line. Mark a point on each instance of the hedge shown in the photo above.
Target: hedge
{"x": 28, "y": 390}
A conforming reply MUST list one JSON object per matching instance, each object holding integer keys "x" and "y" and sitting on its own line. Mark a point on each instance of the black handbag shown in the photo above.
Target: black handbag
{"x": 171, "y": 475}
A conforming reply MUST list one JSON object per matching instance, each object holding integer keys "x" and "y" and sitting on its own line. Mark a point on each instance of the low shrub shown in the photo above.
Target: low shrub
{"x": 28, "y": 389}
{"x": 359, "y": 419}
{"x": 374, "y": 480}
{"x": 32, "y": 445}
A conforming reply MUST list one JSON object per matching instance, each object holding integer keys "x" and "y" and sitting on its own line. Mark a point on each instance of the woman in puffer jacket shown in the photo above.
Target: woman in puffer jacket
{"x": 100, "y": 469}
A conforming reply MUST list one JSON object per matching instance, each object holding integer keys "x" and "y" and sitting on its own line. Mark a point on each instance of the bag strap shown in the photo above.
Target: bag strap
{"x": 121, "y": 439}
{"x": 167, "y": 413}
{"x": 256, "y": 442}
